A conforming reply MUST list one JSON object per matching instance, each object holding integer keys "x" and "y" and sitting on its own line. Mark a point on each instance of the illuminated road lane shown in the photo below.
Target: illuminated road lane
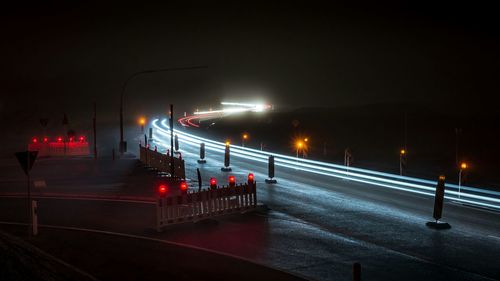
{"x": 319, "y": 224}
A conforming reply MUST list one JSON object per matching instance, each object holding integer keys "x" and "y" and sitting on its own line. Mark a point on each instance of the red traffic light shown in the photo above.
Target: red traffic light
{"x": 183, "y": 186}
{"x": 162, "y": 190}
{"x": 250, "y": 177}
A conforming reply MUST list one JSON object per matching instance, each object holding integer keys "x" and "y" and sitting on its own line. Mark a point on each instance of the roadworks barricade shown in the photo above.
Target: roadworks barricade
{"x": 161, "y": 162}
{"x": 194, "y": 206}
{"x": 58, "y": 149}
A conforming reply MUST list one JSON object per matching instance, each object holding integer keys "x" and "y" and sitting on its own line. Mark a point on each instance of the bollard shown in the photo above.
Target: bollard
{"x": 227, "y": 162}
{"x": 176, "y": 143}
{"x": 150, "y": 133}
{"x": 145, "y": 140}
{"x": 270, "y": 171}
{"x": 438, "y": 206}
{"x": 356, "y": 271}
{"x": 202, "y": 154}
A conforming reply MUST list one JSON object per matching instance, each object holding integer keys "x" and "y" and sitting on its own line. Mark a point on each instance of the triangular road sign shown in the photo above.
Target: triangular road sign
{"x": 26, "y": 159}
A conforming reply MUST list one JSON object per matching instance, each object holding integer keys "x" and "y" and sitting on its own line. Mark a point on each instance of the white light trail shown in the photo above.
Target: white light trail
{"x": 409, "y": 184}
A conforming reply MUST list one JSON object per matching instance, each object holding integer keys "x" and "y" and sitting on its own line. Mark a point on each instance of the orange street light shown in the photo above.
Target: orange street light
{"x": 244, "y": 137}
{"x": 306, "y": 139}
{"x": 402, "y": 152}
{"x": 228, "y": 143}
{"x": 142, "y": 122}
{"x": 463, "y": 166}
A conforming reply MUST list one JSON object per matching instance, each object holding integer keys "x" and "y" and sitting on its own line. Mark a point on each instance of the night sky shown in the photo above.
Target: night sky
{"x": 61, "y": 57}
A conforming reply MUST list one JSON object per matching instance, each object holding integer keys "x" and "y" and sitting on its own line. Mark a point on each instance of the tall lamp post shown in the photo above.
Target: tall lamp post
{"x": 299, "y": 146}
{"x": 123, "y": 143}
{"x": 244, "y": 137}
{"x": 463, "y": 166}
{"x": 402, "y": 161}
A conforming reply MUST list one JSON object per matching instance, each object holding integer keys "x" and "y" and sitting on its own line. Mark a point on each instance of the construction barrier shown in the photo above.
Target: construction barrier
{"x": 161, "y": 162}
{"x": 60, "y": 148}
{"x": 194, "y": 206}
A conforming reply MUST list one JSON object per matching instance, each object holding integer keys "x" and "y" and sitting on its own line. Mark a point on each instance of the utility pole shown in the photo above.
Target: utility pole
{"x": 172, "y": 168}
{"x": 123, "y": 143}
{"x": 95, "y": 130}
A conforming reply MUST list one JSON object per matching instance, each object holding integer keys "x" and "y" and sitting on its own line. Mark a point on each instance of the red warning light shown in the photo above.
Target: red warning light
{"x": 45, "y": 139}
{"x": 184, "y": 186}
{"x": 250, "y": 179}
{"x": 71, "y": 139}
{"x": 213, "y": 183}
{"x": 162, "y": 190}
{"x": 232, "y": 180}
{"x": 82, "y": 139}
{"x": 59, "y": 139}
{"x": 35, "y": 140}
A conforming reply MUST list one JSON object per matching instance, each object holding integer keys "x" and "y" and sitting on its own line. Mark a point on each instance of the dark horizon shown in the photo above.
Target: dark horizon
{"x": 69, "y": 55}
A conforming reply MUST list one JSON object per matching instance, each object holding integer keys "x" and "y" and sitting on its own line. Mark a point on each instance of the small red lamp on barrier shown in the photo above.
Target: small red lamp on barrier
{"x": 59, "y": 139}
{"x": 183, "y": 186}
{"x": 45, "y": 139}
{"x": 34, "y": 140}
{"x": 82, "y": 139}
{"x": 162, "y": 190}
{"x": 213, "y": 183}
{"x": 250, "y": 179}
{"x": 232, "y": 181}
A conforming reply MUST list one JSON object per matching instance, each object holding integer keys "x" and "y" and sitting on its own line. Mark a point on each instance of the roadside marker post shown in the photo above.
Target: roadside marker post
{"x": 202, "y": 154}
{"x": 270, "y": 171}
{"x": 227, "y": 161}
{"x": 356, "y": 271}
{"x": 176, "y": 143}
{"x": 438, "y": 207}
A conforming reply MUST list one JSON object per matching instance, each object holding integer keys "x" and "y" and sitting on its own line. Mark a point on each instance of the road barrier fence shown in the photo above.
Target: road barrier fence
{"x": 161, "y": 162}
{"x": 193, "y": 206}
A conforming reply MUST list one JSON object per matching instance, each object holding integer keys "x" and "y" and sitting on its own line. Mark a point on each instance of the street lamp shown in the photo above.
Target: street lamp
{"x": 123, "y": 143}
{"x": 463, "y": 166}
{"x": 244, "y": 137}
{"x": 142, "y": 122}
{"x": 402, "y": 161}
{"x": 299, "y": 145}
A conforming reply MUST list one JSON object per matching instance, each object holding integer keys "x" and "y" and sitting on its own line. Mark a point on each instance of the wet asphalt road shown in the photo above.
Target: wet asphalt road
{"x": 317, "y": 226}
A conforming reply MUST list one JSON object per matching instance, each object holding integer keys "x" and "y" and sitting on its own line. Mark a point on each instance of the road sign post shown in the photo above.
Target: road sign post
{"x": 270, "y": 171}
{"x": 34, "y": 215}
{"x": 438, "y": 206}
{"x": 26, "y": 160}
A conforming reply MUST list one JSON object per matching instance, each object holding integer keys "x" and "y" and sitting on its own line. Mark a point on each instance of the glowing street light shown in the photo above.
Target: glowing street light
{"x": 244, "y": 137}
{"x": 463, "y": 166}
{"x": 142, "y": 122}
{"x": 299, "y": 145}
{"x": 402, "y": 161}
